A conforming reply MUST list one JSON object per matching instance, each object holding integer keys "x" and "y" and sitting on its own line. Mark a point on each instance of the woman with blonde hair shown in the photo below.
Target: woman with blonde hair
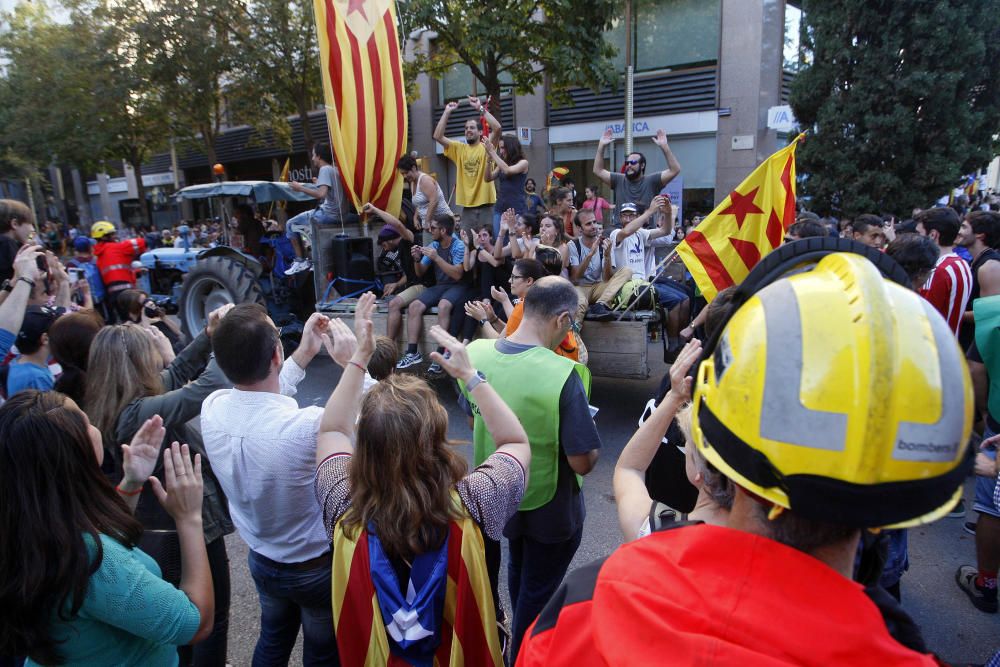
{"x": 127, "y": 384}
{"x": 410, "y": 527}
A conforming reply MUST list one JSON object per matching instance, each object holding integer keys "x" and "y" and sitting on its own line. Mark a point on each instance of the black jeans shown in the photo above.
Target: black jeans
{"x": 534, "y": 573}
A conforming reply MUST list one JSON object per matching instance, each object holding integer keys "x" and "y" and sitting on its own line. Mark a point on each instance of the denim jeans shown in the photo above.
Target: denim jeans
{"x": 289, "y": 599}
{"x": 534, "y": 573}
{"x": 299, "y": 224}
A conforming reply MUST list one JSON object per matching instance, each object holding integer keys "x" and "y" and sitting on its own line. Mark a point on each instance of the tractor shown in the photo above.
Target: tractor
{"x": 194, "y": 281}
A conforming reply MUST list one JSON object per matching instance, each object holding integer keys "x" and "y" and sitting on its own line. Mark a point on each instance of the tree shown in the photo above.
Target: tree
{"x": 129, "y": 108}
{"x": 196, "y": 61}
{"x": 78, "y": 92}
{"x": 900, "y": 98}
{"x": 45, "y": 95}
{"x": 525, "y": 42}
{"x": 281, "y": 45}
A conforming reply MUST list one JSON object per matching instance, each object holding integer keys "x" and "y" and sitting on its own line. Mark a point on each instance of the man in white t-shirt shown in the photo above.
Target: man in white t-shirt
{"x": 633, "y": 247}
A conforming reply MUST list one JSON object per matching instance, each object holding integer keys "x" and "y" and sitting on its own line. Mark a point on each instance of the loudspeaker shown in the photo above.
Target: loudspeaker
{"x": 353, "y": 259}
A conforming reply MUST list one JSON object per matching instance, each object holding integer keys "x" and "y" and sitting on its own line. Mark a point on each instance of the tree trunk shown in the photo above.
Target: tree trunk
{"x": 140, "y": 190}
{"x": 307, "y": 135}
{"x": 208, "y": 139}
{"x": 493, "y": 91}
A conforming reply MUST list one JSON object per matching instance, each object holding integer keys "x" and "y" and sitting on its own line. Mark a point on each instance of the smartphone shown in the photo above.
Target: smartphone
{"x": 152, "y": 311}
{"x": 75, "y": 274}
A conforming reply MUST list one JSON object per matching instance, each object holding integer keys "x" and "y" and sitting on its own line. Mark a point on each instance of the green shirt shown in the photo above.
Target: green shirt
{"x": 129, "y": 616}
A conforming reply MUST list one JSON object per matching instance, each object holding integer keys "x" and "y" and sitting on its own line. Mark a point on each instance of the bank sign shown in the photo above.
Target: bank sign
{"x": 781, "y": 118}
{"x": 639, "y": 128}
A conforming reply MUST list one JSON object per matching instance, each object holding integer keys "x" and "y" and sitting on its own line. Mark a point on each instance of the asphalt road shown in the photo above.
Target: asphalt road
{"x": 952, "y": 627}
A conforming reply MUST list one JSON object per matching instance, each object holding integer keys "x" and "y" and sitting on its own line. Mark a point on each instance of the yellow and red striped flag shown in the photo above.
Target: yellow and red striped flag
{"x": 362, "y": 72}
{"x": 748, "y": 224}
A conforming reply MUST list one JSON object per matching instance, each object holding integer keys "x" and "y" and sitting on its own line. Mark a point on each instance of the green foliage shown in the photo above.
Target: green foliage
{"x": 901, "y": 99}
{"x": 41, "y": 121}
{"x": 521, "y": 41}
{"x": 279, "y": 65}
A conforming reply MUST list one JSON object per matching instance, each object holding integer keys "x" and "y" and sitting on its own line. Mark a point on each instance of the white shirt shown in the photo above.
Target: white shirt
{"x": 263, "y": 451}
{"x": 632, "y": 252}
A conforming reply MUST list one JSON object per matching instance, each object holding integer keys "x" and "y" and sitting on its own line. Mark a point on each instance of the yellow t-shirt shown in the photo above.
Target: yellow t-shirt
{"x": 470, "y": 162}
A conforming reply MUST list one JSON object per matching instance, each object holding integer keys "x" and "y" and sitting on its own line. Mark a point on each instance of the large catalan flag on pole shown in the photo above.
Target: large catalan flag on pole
{"x": 747, "y": 225}
{"x": 365, "y": 103}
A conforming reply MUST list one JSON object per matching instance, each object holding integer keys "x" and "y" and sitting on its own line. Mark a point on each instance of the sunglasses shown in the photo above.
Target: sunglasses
{"x": 632, "y": 162}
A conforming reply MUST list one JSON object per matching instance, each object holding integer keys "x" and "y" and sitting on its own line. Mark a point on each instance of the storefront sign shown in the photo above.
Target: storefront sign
{"x": 781, "y": 118}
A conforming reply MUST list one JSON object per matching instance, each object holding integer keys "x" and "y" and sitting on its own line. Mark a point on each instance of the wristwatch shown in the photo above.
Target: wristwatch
{"x": 475, "y": 381}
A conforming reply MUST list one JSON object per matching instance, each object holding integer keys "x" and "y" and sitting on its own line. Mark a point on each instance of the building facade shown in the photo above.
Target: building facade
{"x": 706, "y": 71}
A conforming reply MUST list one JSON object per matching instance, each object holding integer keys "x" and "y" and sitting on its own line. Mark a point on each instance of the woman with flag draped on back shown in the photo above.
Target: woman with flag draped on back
{"x": 409, "y": 527}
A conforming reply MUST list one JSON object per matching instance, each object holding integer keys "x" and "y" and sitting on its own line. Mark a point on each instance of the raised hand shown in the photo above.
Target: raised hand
{"x": 340, "y": 343}
{"x": 312, "y": 333}
{"x": 161, "y": 343}
{"x": 661, "y": 139}
{"x": 507, "y": 219}
{"x": 475, "y": 103}
{"x": 457, "y": 364}
{"x": 464, "y": 235}
{"x": 182, "y": 490}
{"x": 364, "y": 331}
{"x": 680, "y": 383}
{"x": 475, "y": 310}
{"x": 216, "y": 316}
{"x": 499, "y": 295}
{"x": 139, "y": 458}
{"x": 488, "y": 309}
{"x": 451, "y": 106}
{"x": 26, "y": 263}
{"x": 606, "y": 138}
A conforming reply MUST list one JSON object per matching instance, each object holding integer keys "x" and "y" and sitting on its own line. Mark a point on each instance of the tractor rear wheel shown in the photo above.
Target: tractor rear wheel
{"x": 212, "y": 283}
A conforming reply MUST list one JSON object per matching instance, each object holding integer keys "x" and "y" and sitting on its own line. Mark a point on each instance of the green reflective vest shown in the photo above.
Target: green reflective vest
{"x": 530, "y": 383}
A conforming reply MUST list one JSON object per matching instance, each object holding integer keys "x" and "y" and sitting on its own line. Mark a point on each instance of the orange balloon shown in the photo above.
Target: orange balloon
{"x": 218, "y": 169}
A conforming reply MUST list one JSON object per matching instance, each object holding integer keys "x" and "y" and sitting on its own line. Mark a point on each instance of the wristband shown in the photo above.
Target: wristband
{"x": 30, "y": 282}
{"x": 362, "y": 368}
{"x": 123, "y": 492}
{"x": 495, "y": 318}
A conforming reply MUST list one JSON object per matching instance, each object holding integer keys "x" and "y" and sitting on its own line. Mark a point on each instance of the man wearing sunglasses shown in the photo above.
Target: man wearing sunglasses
{"x": 633, "y": 184}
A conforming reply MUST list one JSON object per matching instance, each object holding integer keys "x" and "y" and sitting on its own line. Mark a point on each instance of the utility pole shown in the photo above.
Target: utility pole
{"x": 628, "y": 76}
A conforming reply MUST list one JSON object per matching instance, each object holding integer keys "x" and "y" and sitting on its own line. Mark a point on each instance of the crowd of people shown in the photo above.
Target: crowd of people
{"x": 753, "y": 470}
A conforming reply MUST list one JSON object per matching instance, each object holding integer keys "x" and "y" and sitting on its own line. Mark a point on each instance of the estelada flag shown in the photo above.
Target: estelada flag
{"x": 365, "y": 104}
{"x": 748, "y": 224}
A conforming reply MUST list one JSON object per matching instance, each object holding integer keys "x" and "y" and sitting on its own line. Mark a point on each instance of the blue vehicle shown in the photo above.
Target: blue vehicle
{"x": 198, "y": 280}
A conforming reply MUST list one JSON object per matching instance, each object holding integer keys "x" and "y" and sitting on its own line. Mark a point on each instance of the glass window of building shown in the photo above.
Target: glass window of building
{"x": 792, "y": 54}
{"x": 669, "y": 33}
